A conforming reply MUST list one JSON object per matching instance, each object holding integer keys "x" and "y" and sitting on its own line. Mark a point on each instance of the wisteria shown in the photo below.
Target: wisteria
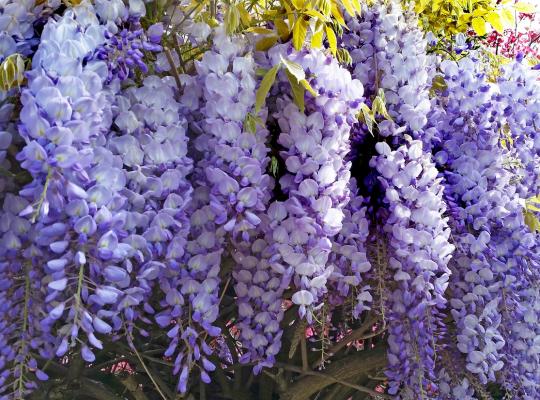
{"x": 494, "y": 268}
{"x": 268, "y": 200}
{"x": 315, "y": 144}
{"x": 420, "y": 251}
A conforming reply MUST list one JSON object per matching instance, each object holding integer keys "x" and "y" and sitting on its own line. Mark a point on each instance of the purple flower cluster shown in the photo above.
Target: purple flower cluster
{"x": 59, "y": 235}
{"x": 230, "y": 175}
{"x": 314, "y": 144}
{"x": 419, "y": 251}
{"x": 349, "y": 256}
{"x": 494, "y": 296}
{"x": 124, "y": 49}
{"x": 17, "y": 25}
{"x": 388, "y": 52}
{"x": 17, "y": 35}
{"x": 518, "y": 106}
{"x": 260, "y": 283}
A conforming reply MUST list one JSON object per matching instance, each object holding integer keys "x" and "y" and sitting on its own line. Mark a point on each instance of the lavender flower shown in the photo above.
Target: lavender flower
{"x": 314, "y": 146}
{"x": 493, "y": 272}
{"x": 420, "y": 251}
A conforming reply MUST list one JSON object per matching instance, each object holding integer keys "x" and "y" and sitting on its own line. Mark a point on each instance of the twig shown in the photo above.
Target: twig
{"x": 145, "y": 367}
{"x": 173, "y": 68}
{"x": 303, "y": 349}
{"x": 357, "y": 334}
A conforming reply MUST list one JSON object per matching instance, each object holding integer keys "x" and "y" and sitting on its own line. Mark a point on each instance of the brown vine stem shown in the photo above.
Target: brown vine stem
{"x": 359, "y": 388}
{"x": 173, "y": 68}
{"x": 357, "y": 334}
{"x": 133, "y": 387}
{"x": 353, "y": 367}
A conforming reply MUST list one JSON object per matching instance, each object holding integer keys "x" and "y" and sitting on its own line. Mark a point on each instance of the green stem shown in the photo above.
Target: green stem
{"x": 42, "y": 196}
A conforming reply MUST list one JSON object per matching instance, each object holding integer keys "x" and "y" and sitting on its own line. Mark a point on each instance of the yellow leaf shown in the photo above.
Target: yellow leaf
{"x": 325, "y": 7}
{"x": 317, "y": 38}
{"x": 298, "y": 4}
{"x": 265, "y": 43}
{"x": 421, "y": 5}
{"x": 495, "y": 20}
{"x": 524, "y": 7}
{"x": 282, "y": 29}
{"x": 336, "y": 13}
{"x": 507, "y": 18}
{"x": 349, "y": 7}
{"x": 316, "y": 14}
{"x": 332, "y": 40}
{"x": 479, "y": 12}
{"x": 245, "y": 17}
{"x": 531, "y": 221}
{"x": 308, "y": 87}
{"x": 260, "y": 30}
{"x": 534, "y": 199}
{"x": 479, "y": 26}
{"x": 299, "y": 33}
{"x": 357, "y": 6}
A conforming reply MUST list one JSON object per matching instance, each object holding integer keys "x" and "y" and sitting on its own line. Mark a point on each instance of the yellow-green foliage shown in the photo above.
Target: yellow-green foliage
{"x": 12, "y": 72}
{"x": 448, "y": 17}
{"x": 301, "y": 21}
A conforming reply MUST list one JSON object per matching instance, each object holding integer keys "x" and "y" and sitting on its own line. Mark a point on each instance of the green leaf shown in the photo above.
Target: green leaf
{"x": 344, "y": 56}
{"x": 367, "y": 117}
{"x": 250, "y": 123}
{"x": 265, "y": 43}
{"x": 12, "y": 72}
{"x": 293, "y": 68}
{"x": 297, "y": 90}
{"x": 379, "y": 107}
{"x": 265, "y": 86}
{"x": 274, "y": 166}
{"x": 232, "y": 19}
{"x": 438, "y": 83}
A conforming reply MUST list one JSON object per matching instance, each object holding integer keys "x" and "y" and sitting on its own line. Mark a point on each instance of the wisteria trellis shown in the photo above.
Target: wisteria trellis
{"x": 153, "y": 191}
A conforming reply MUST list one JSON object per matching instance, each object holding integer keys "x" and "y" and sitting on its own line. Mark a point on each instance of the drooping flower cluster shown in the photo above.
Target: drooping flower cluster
{"x": 18, "y": 21}
{"x": 493, "y": 286}
{"x": 349, "y": 256}
{"x": 54, "y": 237}
{"x": 230, "y": 175}
{"x": 316, "y": 182}
{"x": 151, "y": 141}
{"x": 419, "y": 251}
{"x": 388, "y": 52}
